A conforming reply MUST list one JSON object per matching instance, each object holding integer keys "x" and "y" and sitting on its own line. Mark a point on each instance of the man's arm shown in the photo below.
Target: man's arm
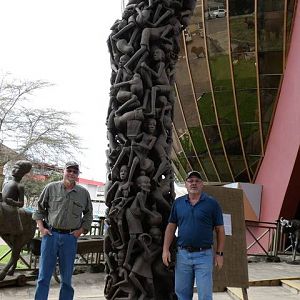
{"x": 220, "y": 236}
{"x": 87, "y": 215}
{"x": 169, "y": 237}
{"x": 40, "y": 214}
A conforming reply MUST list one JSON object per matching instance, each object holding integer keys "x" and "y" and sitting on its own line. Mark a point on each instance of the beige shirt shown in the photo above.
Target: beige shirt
{"x": 64, "y": 209}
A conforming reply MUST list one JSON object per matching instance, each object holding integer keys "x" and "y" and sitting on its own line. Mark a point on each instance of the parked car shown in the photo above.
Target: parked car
{"x": 218, "y": 13}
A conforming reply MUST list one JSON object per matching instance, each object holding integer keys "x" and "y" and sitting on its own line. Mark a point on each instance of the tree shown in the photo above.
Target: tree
{"x": 37, "y": 134}
{"x": 33, "y": 187}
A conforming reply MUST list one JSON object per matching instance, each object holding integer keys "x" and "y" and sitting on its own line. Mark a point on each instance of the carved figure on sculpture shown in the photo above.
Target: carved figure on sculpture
{"x": 158, "y": 77}
{"x": 123, "y": 284}
{"x": 117, "y": 188}
{"x": 135, "y": 215}
{"x": 141, "y": 274}
{"x": 154, "y": 35}
{"x": 129, "y": 99}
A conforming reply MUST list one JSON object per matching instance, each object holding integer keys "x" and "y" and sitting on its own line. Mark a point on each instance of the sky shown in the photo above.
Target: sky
{"x": 64, "y": 42}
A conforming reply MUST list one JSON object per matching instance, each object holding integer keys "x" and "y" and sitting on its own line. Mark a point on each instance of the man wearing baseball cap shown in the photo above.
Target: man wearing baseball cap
{"x": 197, "y": 215}
{"x": 64, "y": 212}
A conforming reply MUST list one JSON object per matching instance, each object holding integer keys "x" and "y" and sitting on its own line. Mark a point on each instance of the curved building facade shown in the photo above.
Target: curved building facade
{"x": 234, "y": 82}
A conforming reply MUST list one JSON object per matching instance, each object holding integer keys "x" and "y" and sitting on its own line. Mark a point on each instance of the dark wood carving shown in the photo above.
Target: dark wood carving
{"x": 144, "y": 47}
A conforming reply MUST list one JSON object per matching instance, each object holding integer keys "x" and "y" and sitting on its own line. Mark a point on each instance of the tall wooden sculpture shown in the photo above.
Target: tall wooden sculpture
{"x": 143, "y": 47}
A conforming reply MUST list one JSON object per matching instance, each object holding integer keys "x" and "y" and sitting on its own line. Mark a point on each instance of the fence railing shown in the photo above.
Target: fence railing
{"x": 267, "y": 239}
{"x": 89, "y": 252}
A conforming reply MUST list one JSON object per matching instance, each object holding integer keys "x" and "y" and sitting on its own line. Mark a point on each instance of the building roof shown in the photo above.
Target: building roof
{"x": 90, "y": 182}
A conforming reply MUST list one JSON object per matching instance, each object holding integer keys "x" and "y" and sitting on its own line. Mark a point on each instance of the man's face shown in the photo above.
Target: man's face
{"x": 71, "y": 174}
{"x": 194, "y": 185}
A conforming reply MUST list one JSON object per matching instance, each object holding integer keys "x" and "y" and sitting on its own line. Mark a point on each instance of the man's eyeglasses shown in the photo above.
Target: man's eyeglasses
{"x": 193, "y": 181}
{"x": 72, "y": 171}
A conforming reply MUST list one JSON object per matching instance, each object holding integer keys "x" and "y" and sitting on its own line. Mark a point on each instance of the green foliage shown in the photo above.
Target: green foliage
{"x": 33, "y": 187}
{"x": 4, "y": 261}
{"x": 239, "y": 30}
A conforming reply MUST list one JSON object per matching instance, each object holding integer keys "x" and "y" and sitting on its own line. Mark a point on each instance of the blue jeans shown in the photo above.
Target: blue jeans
{"x": 191, "y": 265}
{"x": 63, "y": 247}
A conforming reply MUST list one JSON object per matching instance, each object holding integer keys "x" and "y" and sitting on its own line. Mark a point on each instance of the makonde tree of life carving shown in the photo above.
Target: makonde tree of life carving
{"x": 144, "y": 47}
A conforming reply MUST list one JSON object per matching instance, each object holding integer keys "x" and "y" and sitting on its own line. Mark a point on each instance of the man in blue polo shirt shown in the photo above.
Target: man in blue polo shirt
{"x": 196, "y": 215}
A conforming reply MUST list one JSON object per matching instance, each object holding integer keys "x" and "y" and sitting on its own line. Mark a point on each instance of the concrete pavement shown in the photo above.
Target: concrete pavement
{"x": 90, "y": 285}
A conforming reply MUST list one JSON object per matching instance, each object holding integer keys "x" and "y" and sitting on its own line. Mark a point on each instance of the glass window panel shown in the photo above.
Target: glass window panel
{"x": 231, "y": 139}
{"x": 265, "y": 129}
{"x": 198, "y": 140}
{"x": 179, "y": 124}
{"x": 196, "y": 166}
{"x": 216, "y": 149}
{"x": 220, "y": 72}
{"x": 270, "y": 62}
{"x": 212, "y": 136}
{"x": 247, "y": 105}
{"x": 242, "y": 176}
{"x": 290, "y": 17}
{"x": 244, "y": 7}
{"x": 184, "y": 87}
{"x": 209, "y": 169}
{"x": 242, "y": 34}
{"x": 222, "y": 166}
{"x": 270, "y": 21}
{"x": 182, "y": 159}
{"x": 238, "y": 167}
{"x": 178, "y": 165}
{"x": 206, "y": 109}
{"x": 217, "y": 43}
{"x": 251, "y": 139}
{"x": 225, "y": 107}
{"x": 233, "y": 148}
{"x": 268, "y": 98}
{"x": 196, "y": 52}
{"x": 176, "y": 144}
{"x": 254, "y": 162}
{"x": 244, "y": 70}
{"x": 269, "y": 81}
{"x": 187, "y": 145}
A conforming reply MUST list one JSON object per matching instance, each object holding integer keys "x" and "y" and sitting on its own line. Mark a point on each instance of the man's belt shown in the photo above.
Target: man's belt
{"x": 65, "y": 231}
{"x": 194, "y": 249}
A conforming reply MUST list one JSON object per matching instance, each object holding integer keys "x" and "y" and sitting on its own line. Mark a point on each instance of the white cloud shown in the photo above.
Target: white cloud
{"x": 64, "y": 42}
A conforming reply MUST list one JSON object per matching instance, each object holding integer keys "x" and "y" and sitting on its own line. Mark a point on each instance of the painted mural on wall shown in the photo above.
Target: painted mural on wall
{"x": 144, "y": 47}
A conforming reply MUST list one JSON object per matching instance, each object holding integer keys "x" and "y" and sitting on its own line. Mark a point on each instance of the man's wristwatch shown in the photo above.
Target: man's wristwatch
{"x": 219, "y": 253}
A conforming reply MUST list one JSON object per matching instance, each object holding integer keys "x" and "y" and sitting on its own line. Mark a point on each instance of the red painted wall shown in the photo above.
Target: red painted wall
{"x": 283, "y": 145}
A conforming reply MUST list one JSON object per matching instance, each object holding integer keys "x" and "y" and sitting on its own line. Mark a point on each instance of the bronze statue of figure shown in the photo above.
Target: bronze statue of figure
{"x": 16, "y": 225}
{"x": 144, "y": 47}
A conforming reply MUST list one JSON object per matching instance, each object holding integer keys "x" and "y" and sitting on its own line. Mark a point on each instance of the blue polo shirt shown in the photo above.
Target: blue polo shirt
{"x": 196, "y": 223}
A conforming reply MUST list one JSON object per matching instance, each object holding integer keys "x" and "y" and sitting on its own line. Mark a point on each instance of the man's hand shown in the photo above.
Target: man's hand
{"x": 78, "y": 232}
{"x": 219, "y": 260}
{"x": 166, "y": 257}
{"x": 45, "y": 231}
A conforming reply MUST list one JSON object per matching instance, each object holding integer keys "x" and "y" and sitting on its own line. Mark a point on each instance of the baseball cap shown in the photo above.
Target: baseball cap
{"x": 72, "y": 164}
{"x": 193, "y": 173}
